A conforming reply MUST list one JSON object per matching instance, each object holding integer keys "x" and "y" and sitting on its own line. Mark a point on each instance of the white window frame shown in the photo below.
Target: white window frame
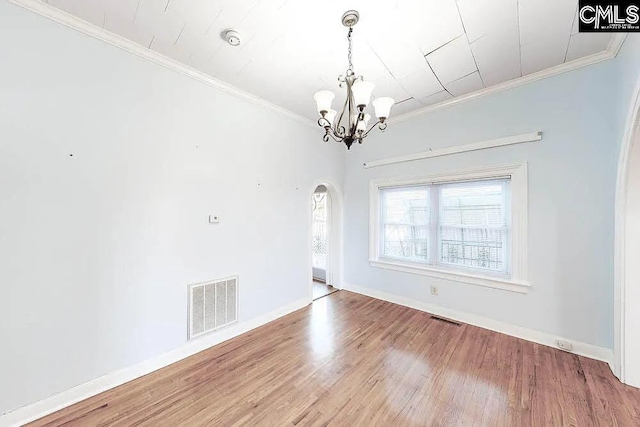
{"x": 515, "y": 280}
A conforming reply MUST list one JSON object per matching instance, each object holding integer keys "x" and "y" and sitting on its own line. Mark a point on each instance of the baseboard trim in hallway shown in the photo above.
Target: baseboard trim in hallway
{"x": 581, "y": 349}
{"x": 94, "y": 387}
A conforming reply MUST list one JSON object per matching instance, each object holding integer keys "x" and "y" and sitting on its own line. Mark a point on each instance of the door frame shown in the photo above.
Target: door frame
{"x": 334, "y": 273}
{"x": 630, "y": 141}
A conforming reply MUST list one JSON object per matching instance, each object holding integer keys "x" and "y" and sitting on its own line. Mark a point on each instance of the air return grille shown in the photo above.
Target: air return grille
{"x": 212, "y": 305}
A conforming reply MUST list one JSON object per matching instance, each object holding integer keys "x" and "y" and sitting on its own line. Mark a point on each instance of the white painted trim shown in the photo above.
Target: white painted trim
{"x": 455, "y": 276}
{"x": 519, "y": 226}
{"x": 616, "y": 42}
{"x": 483, "y": 172}
{"x": 335, "y": 231}
{"x": 579, "y": 348}
{"x": 76, "y": 394}
{"x": 92, "y": 30}
{"x": 610, "y": 53}
{"x": 475, "y": 146}
{"x": 620, "y": 282}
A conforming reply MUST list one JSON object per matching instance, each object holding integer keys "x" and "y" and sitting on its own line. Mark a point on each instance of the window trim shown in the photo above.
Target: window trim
{"x": 516, "y": 281}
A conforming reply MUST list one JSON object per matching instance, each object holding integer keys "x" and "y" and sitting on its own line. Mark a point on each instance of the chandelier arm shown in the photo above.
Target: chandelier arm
{"x": 326, "y": 136}
{"x": 344, "y": 107}
{"x": 364, "y": 135}
{"x": 330, "y": 132}
{"x": 322, "y": 122}
{"x": 352, "y": 126}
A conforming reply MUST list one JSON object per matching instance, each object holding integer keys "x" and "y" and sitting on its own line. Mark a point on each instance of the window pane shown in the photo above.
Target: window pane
{"x": 473, "y": 225}
{"x": 406, "y": 218}
{"x": 479, "y": 204}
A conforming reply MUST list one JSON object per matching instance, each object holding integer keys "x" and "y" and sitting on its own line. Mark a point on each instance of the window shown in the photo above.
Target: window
{"x": 467, "y": 226}
{"x": 473, "y": 226}
{"x": 405, "y": 225}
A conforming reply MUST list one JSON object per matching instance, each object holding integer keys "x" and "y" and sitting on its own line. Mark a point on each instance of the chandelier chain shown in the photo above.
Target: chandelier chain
{"x": 350, "y": 53}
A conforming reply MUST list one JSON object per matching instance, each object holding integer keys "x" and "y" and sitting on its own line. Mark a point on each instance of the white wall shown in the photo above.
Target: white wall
{"x": 572, "y": 178}
{"x": 96, "y": 250}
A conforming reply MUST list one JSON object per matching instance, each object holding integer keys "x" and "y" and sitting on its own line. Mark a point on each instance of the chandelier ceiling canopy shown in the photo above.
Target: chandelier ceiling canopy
{"x": 352, "y": 122}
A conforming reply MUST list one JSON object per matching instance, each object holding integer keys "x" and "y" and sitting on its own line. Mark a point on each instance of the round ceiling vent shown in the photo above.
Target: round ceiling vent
{"x": 232, "y": 37}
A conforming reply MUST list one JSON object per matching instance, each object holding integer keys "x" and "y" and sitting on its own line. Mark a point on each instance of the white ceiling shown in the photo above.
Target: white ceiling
{"x": 420, "y": 52}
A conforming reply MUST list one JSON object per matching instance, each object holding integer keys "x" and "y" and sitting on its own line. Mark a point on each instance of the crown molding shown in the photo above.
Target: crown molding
{"x": 616, "y": 43}
{"x": 612, "y": 50}
{"x": 92, "y": 30}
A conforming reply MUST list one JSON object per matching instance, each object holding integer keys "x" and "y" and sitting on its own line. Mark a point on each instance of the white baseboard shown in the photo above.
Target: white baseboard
{"x": 579, "y": 348}
{"x": 76, "y": 394}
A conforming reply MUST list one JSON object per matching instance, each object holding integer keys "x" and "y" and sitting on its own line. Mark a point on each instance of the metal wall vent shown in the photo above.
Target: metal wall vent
{"x": 212, "y": 305}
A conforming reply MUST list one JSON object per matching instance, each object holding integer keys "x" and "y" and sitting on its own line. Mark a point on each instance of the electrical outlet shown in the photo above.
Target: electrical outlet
{"x": 564, "y": 345}
{"x": 434, "y": 290}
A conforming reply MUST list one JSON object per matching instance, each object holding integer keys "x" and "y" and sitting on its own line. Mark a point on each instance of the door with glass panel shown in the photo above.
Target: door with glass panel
{"x": 320, "y": 234}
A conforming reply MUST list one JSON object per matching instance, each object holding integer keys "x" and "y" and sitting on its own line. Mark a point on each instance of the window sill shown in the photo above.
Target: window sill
{"x": 461, "y": 277}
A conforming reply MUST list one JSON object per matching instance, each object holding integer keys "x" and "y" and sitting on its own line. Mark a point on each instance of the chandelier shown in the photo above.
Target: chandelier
{"x": 352, "y": 122}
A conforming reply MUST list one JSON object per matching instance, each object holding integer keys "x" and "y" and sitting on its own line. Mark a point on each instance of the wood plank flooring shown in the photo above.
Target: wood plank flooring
{"x": 322, "y": 289}
{"x": 351, "y": 360}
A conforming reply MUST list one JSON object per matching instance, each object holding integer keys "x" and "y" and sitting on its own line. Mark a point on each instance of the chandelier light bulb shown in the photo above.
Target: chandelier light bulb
{"x": 383, "y": 107}
{"x": 330, "y": 116}
{"x": 323, "y": 100}
{"x": 362, "y": 93}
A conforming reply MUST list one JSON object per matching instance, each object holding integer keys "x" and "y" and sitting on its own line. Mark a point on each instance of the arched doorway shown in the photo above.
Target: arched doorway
{"x": 632, "y": 268}
{"x": 321, "y": 253}
{"x": 326, "y": 240}
{"x": 627, "y": 252}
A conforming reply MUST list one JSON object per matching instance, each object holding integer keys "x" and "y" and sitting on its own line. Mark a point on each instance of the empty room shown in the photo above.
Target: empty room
{"x": 292, "y": 213}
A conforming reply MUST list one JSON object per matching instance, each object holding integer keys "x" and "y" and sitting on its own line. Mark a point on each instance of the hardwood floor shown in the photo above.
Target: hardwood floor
{"x": 322, "y": 289}
{"x": 351, "y": 360}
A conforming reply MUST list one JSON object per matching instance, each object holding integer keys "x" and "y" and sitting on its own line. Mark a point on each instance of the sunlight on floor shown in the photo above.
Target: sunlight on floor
{"x": 321, "y": 331}
{"x": 320, "y": 289}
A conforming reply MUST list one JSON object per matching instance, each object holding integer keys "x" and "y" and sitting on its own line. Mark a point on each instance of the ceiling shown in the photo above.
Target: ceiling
{"x": 420, "y": 52}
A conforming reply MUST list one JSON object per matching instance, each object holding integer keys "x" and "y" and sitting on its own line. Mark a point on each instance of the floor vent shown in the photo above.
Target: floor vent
{"x": 212, "y": 305}
{"x": 442, "y": 319}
